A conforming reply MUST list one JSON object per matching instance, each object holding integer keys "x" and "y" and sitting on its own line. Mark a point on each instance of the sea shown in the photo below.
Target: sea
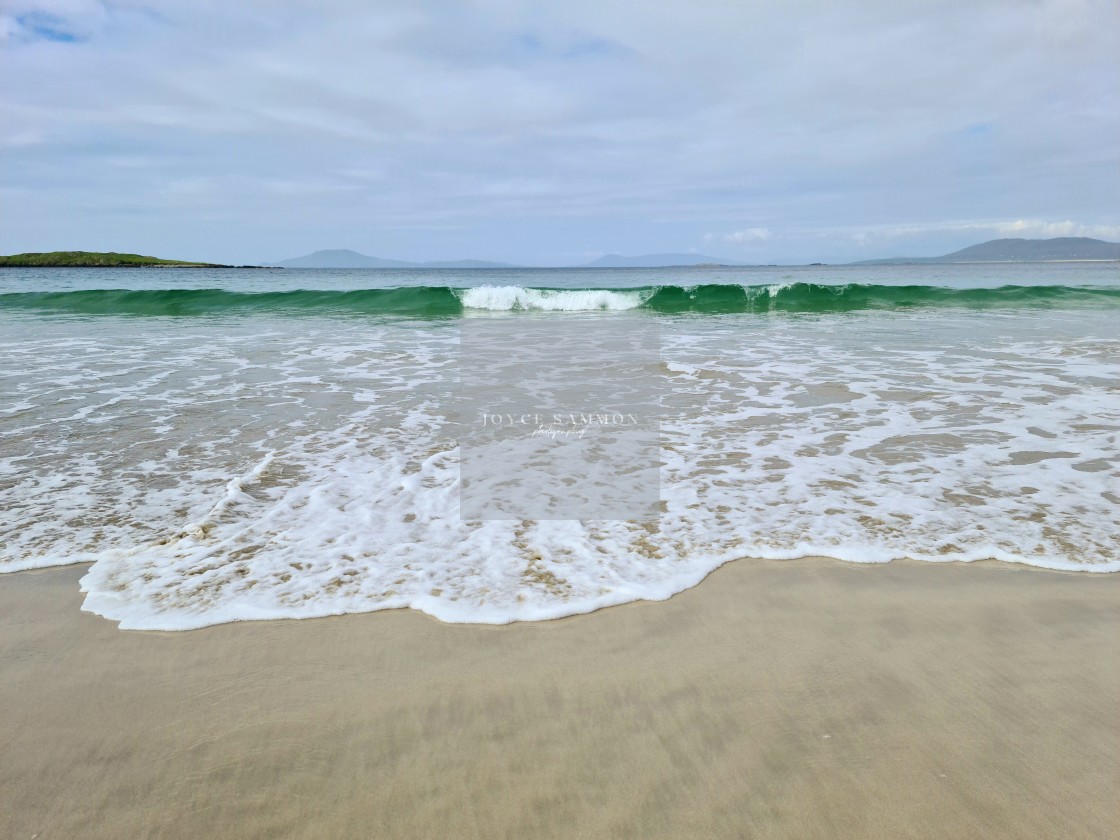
{"x": 242, "y": 444}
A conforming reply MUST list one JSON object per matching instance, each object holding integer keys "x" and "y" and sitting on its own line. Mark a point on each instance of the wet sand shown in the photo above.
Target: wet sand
{"x": 802, "y": 699}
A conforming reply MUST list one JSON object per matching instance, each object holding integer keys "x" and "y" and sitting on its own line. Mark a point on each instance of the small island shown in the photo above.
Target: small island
{"x": 94, "y": 259}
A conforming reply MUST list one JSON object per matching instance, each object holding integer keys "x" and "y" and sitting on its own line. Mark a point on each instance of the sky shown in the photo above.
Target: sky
{"x": 551, "y": 132}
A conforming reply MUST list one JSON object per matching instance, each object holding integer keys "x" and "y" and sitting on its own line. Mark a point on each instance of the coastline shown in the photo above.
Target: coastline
{"x": 147, "y": 265}
{"x": 806, "y": 698}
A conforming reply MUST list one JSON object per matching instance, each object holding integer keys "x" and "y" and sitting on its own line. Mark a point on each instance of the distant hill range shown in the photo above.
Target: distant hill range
{"x": 343, "y": 258}
{"x": 1065, "y": 248}
{"x": 352, "y": 259}
{"x": 998, "y": 250}
{"x": 658, "y": 261}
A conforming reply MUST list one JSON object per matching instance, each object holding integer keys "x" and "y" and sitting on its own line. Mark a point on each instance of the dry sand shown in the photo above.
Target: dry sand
{"x": 803, "y": 699}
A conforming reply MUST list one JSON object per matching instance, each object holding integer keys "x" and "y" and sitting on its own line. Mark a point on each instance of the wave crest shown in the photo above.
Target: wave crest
{"x": 445, "y": 301}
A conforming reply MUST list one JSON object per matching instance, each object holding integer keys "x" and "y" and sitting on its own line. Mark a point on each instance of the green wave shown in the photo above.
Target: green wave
{"x": 419, "y": 301}
{"x": 443, "y": 301}
{"x": 817, "y": 297}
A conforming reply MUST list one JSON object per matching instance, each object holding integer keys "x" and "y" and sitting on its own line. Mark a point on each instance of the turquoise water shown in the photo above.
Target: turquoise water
{"x": 248, "y": 444}
{"x": 277, "y": 280}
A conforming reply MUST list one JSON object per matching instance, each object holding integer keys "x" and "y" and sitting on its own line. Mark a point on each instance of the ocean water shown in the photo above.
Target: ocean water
{"x": 239, "y": 444}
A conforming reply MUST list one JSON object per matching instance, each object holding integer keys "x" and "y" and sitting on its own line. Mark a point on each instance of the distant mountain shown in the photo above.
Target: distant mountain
{"x": 1018, "y": 250}
{"x": 340, "y": 259}
{"x": 658, "y": 261}
{"x": 343, "y": 258}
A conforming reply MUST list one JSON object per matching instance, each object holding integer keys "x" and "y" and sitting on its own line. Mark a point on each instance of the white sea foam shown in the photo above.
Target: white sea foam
{"x": 514, "y": 298}
{"x": 226, "y": 473}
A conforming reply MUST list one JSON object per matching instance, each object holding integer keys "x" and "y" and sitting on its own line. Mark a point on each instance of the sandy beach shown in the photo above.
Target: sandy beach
{"x": 778, "y": 699}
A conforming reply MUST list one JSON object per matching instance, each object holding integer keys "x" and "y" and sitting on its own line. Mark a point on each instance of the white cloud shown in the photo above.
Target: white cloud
{"x": 1017, "y": 228}
{"x": 1034, "y": 228}
{"x": 740, "y": 237}
{"x": 9, "y": 28}
{"x": 592, "y": 125}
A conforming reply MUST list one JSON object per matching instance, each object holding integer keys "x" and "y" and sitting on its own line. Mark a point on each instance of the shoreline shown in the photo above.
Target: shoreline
{"x": 105, "y": 608}
{"x": 775, "y": 699}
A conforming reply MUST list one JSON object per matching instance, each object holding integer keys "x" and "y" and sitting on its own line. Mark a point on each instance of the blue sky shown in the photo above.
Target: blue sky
{"x": 551, "y": 133}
